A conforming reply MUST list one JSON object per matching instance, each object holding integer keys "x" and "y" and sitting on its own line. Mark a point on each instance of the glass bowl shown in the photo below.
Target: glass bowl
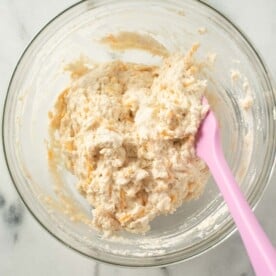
{"x": 247, "y": 134}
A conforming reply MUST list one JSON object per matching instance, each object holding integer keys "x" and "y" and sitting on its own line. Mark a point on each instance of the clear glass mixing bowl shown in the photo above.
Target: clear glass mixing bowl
{"x": 248, "y": 136}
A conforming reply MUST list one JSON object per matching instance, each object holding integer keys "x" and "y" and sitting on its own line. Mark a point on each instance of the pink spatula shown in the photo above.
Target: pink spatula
{"x": 260, "y": 250}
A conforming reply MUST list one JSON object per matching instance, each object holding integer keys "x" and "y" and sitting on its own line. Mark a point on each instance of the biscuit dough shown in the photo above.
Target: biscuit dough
{"x": 127, "y": 132}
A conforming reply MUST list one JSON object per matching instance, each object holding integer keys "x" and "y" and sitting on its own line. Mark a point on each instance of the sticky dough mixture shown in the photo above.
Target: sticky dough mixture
{"x": 127, "y": 132}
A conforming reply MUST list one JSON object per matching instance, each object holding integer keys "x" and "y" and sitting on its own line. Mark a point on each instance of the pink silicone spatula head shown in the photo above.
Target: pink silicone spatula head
{"x": 208, "y": 147}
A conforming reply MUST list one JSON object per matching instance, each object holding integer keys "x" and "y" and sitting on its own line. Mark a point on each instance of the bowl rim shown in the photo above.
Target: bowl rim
{"x": 230, "y": 226}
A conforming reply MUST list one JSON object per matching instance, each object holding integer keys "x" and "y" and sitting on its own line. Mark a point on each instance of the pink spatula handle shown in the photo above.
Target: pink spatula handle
{"x": 260, "y": 250}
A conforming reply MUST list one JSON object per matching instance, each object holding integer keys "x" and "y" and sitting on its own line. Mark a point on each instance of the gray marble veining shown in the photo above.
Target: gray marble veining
{"x": 13, "y": 214}
{"x": 2, "y": 201}
{"x": 26, "y": 248}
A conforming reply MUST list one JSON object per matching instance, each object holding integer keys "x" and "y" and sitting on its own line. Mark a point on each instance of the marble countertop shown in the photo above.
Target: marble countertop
{"x": 26, "y": 248}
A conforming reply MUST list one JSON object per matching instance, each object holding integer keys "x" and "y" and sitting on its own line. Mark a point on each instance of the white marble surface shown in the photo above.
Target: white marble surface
{"x": 26, "y": 248}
